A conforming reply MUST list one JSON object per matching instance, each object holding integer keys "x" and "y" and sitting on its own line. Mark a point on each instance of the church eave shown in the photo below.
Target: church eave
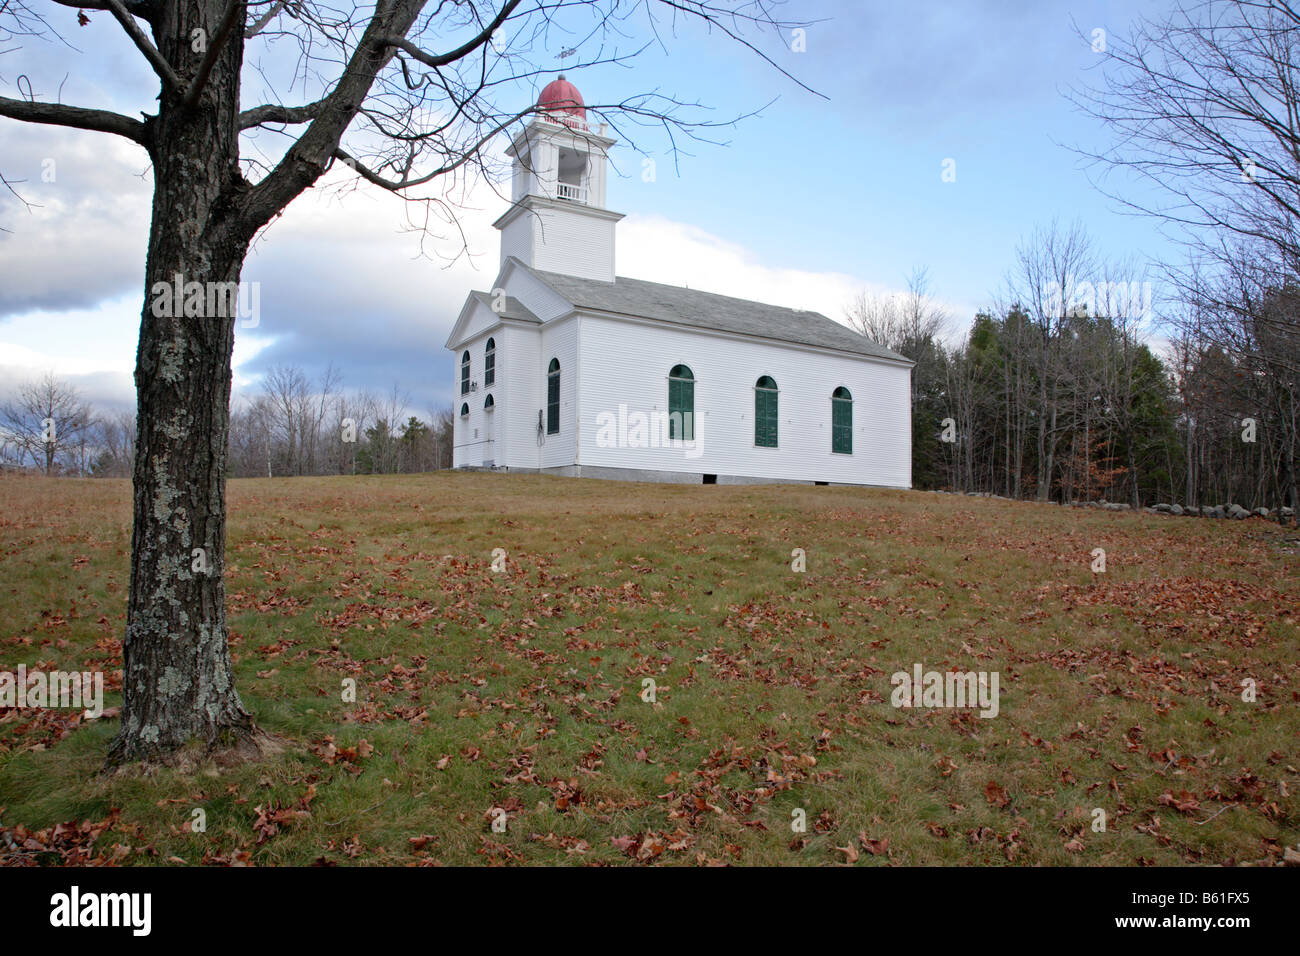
{"x": 581, "y": 310}
{"x": 521, "y": 317}
{"x": 545, "y": 202}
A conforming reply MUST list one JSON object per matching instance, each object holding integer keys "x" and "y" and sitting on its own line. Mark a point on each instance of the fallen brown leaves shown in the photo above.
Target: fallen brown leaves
{"x": 1206, "y": 604}
{"x": 1183, "y": 802}
{"x": 276, "y": 815}
{"x": 75, "y": 843}
{"x": 995, "y": 795}
{"x": 349, "y": 758}
{"x": 35, "y": 729}
{"x": 522, "y": 688}
{"x": 874, "y": 847}
{"x": 647, "y": 847}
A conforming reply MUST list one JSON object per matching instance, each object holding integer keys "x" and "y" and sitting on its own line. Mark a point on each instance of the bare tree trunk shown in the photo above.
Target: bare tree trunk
{"x": 1136, "y": 500}
{"x": 177, "y": 669}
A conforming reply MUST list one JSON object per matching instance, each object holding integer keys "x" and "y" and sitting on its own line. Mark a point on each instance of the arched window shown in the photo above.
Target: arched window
{"x": 765, "y": 412}
{"x": 553, "y": 398}
{"x": 464, "y": 410}
{"x": 489, "y": 404}
{"x": 842, "y": 421}
{"x": 490, "y": 363}
{"x": 464, "y": 374}
{"x": 681, "y": 403}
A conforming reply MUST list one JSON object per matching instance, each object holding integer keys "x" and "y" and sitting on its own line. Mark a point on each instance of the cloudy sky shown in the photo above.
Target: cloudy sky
{"x": 817, "y": 198}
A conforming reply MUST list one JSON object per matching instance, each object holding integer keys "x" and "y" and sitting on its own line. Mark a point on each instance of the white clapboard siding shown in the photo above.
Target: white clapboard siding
{"x": 523, "y": 369}
{"x": 561, "y": 240}
{"x": 575, "y": 245}
{"x": 471, "y": 442}
{"x": 536, "y": 296}
{"x": 516, "y": 242}
{"x": 559, "y": 340}
{"x": 478, "y": 322}
{"x": 628, "y": 363}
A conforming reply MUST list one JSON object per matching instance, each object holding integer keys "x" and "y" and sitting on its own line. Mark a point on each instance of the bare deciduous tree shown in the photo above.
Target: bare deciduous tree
{"x": 1203, "y": 103}
{"x": 900, "y": 319}
{"x": 912, "y": 324}
{"x": 115, "y": 444}
{"x": 407, "y": 93}
{"x": 47, "y": 420}
{"x": 1050, "y": 266}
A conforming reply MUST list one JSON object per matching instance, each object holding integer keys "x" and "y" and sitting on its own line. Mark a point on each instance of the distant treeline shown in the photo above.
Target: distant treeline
{"x": 292, "y": 426}
{"x": 1053, "y": 396}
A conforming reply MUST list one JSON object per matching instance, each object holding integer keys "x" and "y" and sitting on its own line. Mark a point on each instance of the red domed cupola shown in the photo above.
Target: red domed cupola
{"x": 561, "y": 96}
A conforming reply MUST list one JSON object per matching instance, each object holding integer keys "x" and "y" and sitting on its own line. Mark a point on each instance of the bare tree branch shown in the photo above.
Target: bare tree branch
{"x": 261, "y": 22}
{"x": 56, "y": 114}
{"x": 461, "y": 51}
{"x": 308, "y": 157}
{"x": 160, "y": 65}
{"x": 214, "y": 50}
{"x": 272, "y": 113}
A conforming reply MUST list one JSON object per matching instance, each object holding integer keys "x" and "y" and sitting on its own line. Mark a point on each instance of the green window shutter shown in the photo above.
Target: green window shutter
{"x": 681, "y": 404}
{"x": 842, "y": 421}
{"x": 674, "y": 408}
{"x": 688, "y": 411}
{"x": 765, "y": 413}
{"x": 842, "y": 426}
{"x": 553, "y": 403}
{"x": 553, "y": 397}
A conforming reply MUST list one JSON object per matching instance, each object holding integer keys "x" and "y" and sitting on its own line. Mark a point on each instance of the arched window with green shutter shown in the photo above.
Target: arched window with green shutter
{"x": 765, "y": 412}
{"x": 464, "y": 374}
{"x": 681, "y": 403}
{"x": 553, "y": 397}
{"x": 490, "y": 363}
{"x": 842, "y": 421}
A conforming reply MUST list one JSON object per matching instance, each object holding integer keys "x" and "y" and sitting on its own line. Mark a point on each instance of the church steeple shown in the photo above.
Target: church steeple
{"x": 557, "y": 220}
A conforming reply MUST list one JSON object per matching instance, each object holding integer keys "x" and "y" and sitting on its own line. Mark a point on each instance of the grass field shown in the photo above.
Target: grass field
{"x": 519, "y": 694}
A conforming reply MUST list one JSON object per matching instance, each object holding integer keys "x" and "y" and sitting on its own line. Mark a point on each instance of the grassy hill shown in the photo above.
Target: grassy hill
{"x": 523, "y": 691}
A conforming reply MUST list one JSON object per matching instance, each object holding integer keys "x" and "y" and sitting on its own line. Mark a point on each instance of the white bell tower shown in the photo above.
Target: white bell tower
{"x": 557, "y": 220}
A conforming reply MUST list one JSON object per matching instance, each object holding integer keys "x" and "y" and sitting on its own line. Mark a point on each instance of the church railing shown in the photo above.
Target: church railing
{"x": 571, "y": 192}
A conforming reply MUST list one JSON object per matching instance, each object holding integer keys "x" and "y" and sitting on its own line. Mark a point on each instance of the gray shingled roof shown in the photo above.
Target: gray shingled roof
{"x": 514, "y": 308}
{"x": 707, "y": 310}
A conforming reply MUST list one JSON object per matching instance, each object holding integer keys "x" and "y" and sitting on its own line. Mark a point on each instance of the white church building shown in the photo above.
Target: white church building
{"x": 563, "y": 367}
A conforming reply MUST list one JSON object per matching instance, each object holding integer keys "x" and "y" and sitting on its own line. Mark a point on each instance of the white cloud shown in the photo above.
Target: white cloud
{"x": 340, "y": 282}
{"x": 84, "y": 236}
{"x": 660, "y": 250}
